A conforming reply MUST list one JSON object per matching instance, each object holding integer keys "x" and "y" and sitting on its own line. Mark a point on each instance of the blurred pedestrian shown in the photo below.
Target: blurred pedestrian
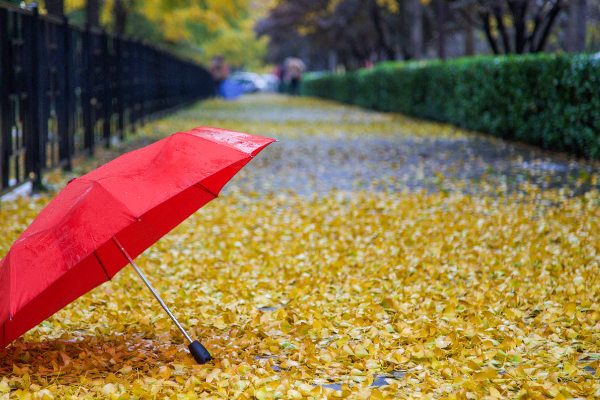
{"x": 219, "y": 71}
{"x": 279, "y": 71}
{"x": 294, "y": 68}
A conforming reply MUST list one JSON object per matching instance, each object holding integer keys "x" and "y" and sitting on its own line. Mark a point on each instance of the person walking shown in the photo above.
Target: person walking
{"x": 279, "y": 71}
{"x": 294, "y": 68}
{"x": 219, "y": 71}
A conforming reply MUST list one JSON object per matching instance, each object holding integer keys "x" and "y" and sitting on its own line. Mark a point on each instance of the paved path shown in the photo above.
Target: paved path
{"x": 324, "y": 145}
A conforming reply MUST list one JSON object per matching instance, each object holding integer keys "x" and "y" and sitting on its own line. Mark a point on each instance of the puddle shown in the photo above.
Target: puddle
{"x": 268, "y": 308}
{"x": 22, "y": 191}
{"x": 378, "y": 380}
{"x": 545, "y": 166}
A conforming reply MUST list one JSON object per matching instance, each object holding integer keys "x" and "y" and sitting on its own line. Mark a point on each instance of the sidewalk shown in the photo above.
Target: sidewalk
{"x": 325, "y": 145}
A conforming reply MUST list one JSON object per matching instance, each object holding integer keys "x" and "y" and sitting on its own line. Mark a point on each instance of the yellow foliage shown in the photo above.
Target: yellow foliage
{"x": 394, "y": 7}
{"x": 239, "y": 48}
{"x": 72, "y": 5}
{"x": 390, "y": 5}
{"x": 228, "y": 25}
{"x": 332, "y": 5}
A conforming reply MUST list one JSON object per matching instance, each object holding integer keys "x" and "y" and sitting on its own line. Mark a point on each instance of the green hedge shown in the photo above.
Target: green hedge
{"x": 552, "y": 101}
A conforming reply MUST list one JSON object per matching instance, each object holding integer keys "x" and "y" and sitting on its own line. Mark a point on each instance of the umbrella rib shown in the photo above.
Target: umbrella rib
{"x": 201, "y": 186}
{"x": 102, "y": 265}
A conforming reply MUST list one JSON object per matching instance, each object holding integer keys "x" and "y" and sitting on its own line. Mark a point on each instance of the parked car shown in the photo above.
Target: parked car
{"x": 249, "y": 81}
{"x": 271, "y": 82}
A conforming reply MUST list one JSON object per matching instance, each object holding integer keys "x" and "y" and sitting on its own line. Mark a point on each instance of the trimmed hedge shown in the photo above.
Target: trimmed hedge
{"x": 552, "y": 101}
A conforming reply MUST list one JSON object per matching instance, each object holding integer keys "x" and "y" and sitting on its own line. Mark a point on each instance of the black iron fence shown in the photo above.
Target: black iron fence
{"x": 65, "y": 89}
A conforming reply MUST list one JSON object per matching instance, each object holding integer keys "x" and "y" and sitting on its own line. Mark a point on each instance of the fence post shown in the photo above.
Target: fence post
{"x": 118, "y": 41}
{"x": 66, "y": 132}
{"x": 87, "y": 92}
{"x": 135, "y": 70}
{"x": 35, "y": 98}
{"x": 143, "y": 80}
{"x": 5, "y": 65}
{"x": 106, "y": 100}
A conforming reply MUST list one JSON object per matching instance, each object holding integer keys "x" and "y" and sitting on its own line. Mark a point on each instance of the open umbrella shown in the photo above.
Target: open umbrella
{"x": 101, "y": 221}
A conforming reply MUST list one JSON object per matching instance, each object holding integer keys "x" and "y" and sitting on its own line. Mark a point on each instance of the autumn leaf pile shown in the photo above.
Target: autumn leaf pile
{"x": 373, "y": 293}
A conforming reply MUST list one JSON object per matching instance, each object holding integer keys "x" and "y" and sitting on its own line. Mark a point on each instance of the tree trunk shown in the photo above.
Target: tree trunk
{"x": 92, "y": 12}
{"x": 487, "y": 28}
{"x": 469, "y": 33}
{"x": 576, "y": 29}
{"x": 332, "y": 60}
{"x": 416, "y": 29}
{"x": 519, "y": 11}
{"x": 499, "y": 14}
{"x": 55, "y": 7}
{"x": 548, "y": 28}
{"x": 441, "y": 19}
{"x": 381, "y": 34}
{"x": 358, "y": 51}
{"x": 582, "y": 25}
{"x": 120, "y": 14}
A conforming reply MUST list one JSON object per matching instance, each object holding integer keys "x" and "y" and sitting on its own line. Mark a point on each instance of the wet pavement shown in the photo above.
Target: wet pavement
{"x": 318, "y": 164}
{"x": 325, "y": 145}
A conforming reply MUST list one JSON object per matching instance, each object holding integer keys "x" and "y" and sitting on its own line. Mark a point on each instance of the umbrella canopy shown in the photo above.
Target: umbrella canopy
{"x": 74, "y": 243}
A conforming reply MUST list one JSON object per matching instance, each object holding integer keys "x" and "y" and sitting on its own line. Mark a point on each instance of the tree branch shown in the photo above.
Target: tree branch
{"x": 488, "y": 32}
{"x": 377, "y": 22}
{"x": 519, "y": 10}
{"x": 546, "y": 33}
{"x": 502, "y": 29}
{"x": 538, "y": 21}
{"x": 470, "y": 20}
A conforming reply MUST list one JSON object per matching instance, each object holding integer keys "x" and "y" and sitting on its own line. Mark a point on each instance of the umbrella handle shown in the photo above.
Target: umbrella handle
{"x": 198, "y": 351}
{"x": 201, "y": 355}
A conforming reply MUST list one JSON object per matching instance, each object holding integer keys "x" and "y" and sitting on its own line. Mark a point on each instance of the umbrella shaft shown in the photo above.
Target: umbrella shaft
{"x": 162, "y": 303}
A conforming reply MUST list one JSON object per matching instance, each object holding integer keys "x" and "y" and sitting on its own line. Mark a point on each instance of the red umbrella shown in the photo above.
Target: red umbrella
{"x": 104, "y": 219}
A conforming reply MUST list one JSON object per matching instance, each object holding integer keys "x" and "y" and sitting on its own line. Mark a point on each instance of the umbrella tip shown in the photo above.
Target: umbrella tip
{"x": 199, "y": 352}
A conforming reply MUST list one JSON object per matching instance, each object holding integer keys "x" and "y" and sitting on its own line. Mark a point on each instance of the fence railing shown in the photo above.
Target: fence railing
{"x": 66, "y": 89}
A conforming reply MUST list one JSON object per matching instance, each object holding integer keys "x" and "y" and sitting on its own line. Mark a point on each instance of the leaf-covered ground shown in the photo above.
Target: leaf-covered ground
{"x": 365, "y": 255}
